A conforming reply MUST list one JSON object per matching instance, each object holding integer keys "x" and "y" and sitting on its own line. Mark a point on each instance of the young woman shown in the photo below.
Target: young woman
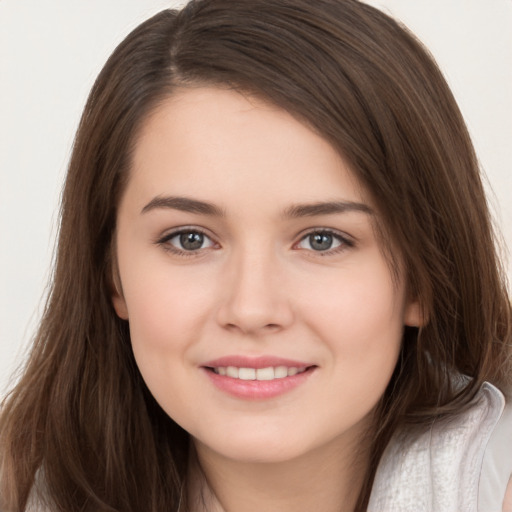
{"x": 276, "y": 285}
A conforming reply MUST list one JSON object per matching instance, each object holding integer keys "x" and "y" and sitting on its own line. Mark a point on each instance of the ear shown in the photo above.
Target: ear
{"x": 119, "y": 304}
{"x": 116, "y": 292}
{"x": 414, "y": 315}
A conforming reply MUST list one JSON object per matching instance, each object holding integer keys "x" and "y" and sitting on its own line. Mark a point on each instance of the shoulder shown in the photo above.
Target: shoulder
{"x": 497, "y": 461}
{"x": 38, "y": 499}
{"x": 460, "y": 464}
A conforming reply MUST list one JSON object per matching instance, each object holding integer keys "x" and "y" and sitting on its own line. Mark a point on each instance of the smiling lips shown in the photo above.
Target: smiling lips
{"x": 268, "y": 373}
{"x": 257, "y": 378}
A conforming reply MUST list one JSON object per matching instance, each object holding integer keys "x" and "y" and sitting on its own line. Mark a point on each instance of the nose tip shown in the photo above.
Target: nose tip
{"x": 255, "y": 301}
{"x": 251, "y": 314}
{"x": 250, "y": 327}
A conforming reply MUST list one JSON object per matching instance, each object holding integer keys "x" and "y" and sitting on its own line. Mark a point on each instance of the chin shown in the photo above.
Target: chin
{"x": 258, "y": 447}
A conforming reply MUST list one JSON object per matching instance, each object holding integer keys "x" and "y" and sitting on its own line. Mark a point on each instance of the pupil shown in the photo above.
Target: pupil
{"x": 321, "y": 241}
{"x": 191, "y": 241}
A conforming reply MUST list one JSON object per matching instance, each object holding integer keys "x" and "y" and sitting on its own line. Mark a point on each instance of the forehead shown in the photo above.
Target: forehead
{"x": 223, "y": 144}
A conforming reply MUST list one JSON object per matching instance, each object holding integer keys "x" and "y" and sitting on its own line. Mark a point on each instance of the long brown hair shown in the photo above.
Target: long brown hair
{"x": 80, "y": 426}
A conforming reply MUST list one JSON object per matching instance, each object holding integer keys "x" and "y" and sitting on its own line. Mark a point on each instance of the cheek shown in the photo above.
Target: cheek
{"x": 166, "y": 319}
{"x": 167, "y": 311}
{"x": 358, "y": 305}
{"x": 160, "y": 298}
{"x": 362, "y": 332}
{"x": 359, "y": 315}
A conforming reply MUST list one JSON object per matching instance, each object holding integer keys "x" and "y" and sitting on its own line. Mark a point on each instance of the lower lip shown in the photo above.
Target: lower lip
{"x": 257, "y": 389}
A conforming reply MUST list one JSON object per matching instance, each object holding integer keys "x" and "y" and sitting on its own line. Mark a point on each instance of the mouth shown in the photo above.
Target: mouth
{"x": 257, "y": 378}
{"x": 268, "y": 373}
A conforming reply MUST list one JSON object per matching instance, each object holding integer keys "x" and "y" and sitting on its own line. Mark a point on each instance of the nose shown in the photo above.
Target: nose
{"x": 256, "y": 299}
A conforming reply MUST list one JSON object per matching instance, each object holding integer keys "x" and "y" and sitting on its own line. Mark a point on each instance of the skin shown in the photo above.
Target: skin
{"x": 507, "y": 502}
{"x": 257, "y": 286}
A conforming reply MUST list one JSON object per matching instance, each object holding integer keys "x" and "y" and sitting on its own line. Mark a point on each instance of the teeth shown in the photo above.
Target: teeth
{"x": 265, "y": 373}
{"x": 270, "y": 373}
{"x": 246, "y": 373}
{"x": 232, "y": 371}
{"x": 281, "y": 372}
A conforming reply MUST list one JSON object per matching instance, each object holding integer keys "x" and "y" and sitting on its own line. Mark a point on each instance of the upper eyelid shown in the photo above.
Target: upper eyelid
{"x": 346, "y": 242}
{"x": 164, "y": 242}
{"x": 335, "y": 232}
{"x": 171, "y": 233}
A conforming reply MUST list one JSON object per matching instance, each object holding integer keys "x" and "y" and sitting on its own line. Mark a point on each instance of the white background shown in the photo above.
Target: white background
{"x": 51, "y": 52}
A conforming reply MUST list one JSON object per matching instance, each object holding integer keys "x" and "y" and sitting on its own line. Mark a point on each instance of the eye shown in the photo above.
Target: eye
{"x": 186, "y": 241}
{"x": 324, "y": 241}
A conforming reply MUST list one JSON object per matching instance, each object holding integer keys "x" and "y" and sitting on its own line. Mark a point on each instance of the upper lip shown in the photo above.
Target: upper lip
{"x": 240, "y": 361}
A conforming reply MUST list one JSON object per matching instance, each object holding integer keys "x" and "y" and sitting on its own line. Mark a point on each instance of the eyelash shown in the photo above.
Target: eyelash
{"x": 344, "y": 241}
{"x": 164, "y": 242}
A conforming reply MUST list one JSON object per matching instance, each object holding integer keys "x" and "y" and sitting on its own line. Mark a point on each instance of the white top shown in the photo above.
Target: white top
{"x": 461, "y": 465}
{"x": 458, "y": 465}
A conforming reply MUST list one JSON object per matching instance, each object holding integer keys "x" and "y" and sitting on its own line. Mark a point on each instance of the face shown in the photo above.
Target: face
{"x": 263, "y": 315}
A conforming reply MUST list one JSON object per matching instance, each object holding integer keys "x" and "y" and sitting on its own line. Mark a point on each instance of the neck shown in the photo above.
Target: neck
{"x": 327, "y": 479}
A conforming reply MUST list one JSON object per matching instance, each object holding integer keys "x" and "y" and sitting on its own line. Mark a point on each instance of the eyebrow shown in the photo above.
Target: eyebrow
{"x": 326, "y": 208}
{"x": 184, "y": 204}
